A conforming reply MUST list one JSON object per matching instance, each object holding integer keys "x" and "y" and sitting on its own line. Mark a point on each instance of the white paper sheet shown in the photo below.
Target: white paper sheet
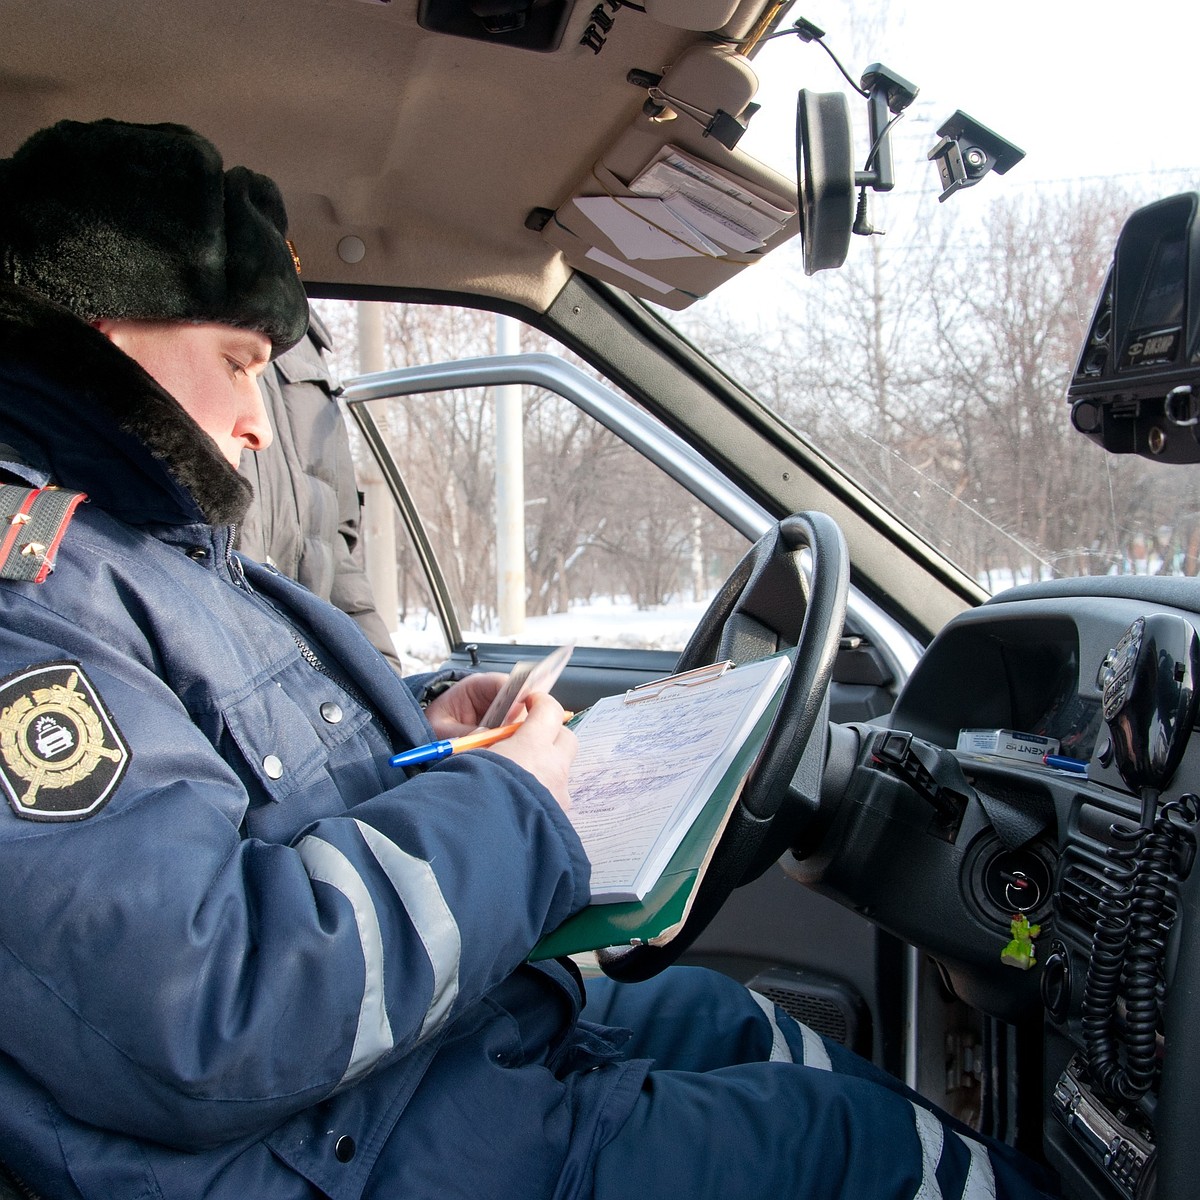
{"x": 646, "y": 767}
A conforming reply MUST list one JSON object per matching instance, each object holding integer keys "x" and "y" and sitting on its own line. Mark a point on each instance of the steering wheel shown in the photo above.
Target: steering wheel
{"x": 769, "y": 603}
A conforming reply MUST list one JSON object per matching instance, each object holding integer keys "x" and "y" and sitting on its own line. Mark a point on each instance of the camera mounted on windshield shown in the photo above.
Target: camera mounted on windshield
{"x": 1136, "y": 386}
{"x": 827, "y": 179}
{"x": 967, "y": 151}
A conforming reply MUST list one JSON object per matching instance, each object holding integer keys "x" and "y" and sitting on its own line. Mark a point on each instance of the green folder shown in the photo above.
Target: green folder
{"x": 660, "y": 914}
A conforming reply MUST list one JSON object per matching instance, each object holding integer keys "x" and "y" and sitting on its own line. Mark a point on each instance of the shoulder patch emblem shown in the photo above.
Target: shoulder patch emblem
{"x": 61, "y": 753}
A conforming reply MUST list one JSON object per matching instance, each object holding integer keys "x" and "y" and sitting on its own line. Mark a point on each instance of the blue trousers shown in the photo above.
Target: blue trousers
{"x": 745, "y": 1102}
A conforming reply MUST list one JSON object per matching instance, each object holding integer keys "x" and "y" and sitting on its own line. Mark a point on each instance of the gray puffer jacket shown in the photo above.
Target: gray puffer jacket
{"x": 305, "y": 517}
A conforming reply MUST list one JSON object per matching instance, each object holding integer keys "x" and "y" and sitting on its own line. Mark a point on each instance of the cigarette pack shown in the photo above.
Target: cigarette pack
{"x": 1007, "y": 743}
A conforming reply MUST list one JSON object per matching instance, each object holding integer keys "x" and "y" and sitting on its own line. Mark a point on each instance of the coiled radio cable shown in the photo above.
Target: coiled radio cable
{"x": 1129, "y": 944}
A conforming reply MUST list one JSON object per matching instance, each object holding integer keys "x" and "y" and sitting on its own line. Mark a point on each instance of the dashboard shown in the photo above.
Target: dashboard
{"x": 953, "y": 849}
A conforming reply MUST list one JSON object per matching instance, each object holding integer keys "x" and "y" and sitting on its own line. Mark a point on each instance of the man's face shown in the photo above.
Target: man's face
{"x": 211, "y": 370}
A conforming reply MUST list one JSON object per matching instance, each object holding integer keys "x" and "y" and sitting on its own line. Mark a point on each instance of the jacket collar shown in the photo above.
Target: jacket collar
{"x": 75, "y": 406}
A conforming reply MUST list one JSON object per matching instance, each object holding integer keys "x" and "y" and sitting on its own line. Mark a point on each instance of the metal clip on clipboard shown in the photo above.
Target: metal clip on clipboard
{"x": 656, "y": 687}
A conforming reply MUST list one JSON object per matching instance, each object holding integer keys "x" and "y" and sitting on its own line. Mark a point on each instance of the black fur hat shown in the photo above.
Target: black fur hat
{"x": 142, "y": 222}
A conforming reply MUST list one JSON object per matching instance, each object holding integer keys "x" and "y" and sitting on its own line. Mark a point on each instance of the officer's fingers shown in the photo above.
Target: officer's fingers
{"x": 544, "y": 715}
{"x": 567, "y": 742}
{"x": 476, "y": 692}
{"x": 543, "y": 747}
{"x": 550, "y": 717}
{"x": 460, "y": 708}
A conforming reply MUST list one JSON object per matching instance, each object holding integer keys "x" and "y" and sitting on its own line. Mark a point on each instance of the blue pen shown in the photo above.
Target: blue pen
{"x": 1066, "y": 764}
{"x": 419, "y": 755}
{"x": 433, "y": 752}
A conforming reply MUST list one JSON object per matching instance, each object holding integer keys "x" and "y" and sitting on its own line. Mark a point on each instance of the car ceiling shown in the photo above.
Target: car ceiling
{"x": 430, "y": 148}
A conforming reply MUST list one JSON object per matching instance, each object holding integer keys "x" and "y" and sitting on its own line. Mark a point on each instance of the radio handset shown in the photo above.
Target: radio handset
{"x": 1149, "y": 688}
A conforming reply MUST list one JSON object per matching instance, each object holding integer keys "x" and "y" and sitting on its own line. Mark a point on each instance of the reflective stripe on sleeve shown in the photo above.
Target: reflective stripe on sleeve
{"x": 815, "y": 1054}
{"x": 327, "y": 864}
{"x": 779, "y": 1046}
{"x": 931, "y": 1135}
{"x": 418, "y": 889}
{"x": 981, "y": 1180}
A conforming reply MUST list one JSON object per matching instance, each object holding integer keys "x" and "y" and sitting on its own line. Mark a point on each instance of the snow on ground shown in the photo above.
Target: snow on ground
{"x": 602, "y": 622}
{"x": 620, "y": 624}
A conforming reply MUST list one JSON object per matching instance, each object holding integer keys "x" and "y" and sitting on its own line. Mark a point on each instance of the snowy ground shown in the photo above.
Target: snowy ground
{"x": 603, "y": 623}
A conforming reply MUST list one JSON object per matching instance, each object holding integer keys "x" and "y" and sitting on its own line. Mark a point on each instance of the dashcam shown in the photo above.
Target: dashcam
{"x": 967, "y": 151}
{"x": 1136, "y": 386}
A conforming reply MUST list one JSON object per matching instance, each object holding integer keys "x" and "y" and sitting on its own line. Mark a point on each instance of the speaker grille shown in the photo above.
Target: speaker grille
{"x": 830, "y": 1007}
{"x": 820, "y": 1014}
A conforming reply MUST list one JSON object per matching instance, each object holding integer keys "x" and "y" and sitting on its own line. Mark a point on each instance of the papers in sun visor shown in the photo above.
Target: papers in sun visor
{"x": 677, "y": 225}
{"x": 710, "y": 204}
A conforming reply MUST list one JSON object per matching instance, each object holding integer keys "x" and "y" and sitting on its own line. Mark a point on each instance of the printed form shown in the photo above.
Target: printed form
{"x": 646, "y": 767}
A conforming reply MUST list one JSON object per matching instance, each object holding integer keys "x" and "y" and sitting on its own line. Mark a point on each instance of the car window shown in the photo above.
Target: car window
{"x": 545, "y": 525}
{"x": 932, "y": 367}
{"x": 398, "y": 582}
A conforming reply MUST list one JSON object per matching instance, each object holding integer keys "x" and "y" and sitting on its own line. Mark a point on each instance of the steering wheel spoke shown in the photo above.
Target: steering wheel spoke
{"x": 771, "y": 601}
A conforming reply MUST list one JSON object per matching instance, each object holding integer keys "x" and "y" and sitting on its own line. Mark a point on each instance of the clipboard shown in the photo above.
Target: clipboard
{"x": 660, "y": 914}
{"x": 656, "y": 687}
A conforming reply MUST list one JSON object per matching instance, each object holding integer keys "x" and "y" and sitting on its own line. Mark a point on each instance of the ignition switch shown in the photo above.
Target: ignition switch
{"x": 1016, "y": 881}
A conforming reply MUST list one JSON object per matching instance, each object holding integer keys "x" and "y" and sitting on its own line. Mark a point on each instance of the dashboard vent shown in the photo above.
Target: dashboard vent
{"x": 1078, "y": 903}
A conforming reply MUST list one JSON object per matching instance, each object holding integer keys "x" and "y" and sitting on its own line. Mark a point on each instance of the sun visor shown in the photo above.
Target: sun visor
{"x": 673, "y": 209}
{"x": 704, "y": 15}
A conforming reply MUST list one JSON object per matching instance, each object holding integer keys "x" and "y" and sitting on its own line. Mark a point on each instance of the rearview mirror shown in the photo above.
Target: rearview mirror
{"x": 825, "y": 171}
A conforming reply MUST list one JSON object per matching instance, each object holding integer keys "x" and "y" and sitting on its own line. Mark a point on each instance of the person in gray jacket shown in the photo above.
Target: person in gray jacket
{"x": 304, "y": 519}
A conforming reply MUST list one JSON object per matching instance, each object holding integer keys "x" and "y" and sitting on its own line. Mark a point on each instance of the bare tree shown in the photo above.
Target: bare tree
{"x": 600, "y": 520}
{"x": 1010, "y": 338}
{"x": 935, "y": 374}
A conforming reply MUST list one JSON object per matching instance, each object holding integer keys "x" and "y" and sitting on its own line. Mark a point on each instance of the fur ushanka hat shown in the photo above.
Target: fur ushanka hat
{"x": 142, "y": 222}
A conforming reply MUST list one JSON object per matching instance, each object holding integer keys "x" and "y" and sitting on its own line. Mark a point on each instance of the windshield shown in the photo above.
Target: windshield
{"x": 932, "y": 367}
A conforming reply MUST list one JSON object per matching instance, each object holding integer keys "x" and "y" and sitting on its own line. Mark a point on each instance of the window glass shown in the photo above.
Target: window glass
{"x": 932, "y": 367}
{"x": 562, "y": 533}
{"x": 402, "y": 593}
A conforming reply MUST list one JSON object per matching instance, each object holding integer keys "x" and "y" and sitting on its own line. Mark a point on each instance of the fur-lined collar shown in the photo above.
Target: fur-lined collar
{"x": 99, "y": 424}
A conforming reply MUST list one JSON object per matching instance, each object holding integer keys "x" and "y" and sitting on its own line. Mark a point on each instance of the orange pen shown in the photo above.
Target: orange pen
{"x": 433, "y": 752}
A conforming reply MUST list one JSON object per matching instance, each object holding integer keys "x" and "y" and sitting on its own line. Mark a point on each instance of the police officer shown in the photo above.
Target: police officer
{"x": 239, "y": 956}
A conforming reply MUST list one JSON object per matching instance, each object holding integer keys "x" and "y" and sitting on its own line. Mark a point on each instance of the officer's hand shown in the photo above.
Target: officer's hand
{"x": 543, "y": 746}
{"x": 460, "y": 708}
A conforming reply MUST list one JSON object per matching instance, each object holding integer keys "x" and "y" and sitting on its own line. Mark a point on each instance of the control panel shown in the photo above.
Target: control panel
{"x": 1125, "y": 1156}
{"x": 1116, "y": 899}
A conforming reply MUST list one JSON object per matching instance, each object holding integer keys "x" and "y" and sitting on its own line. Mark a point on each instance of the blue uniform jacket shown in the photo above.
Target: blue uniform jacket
{"x": 233, "y": 975}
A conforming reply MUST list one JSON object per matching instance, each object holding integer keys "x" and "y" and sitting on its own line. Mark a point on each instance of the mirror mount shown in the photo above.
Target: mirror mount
{"x": 829, "y": 215}
{"x": 967, "y": 151}
{"x": 825, "y": 168}
{"x": 888, "y": 95}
